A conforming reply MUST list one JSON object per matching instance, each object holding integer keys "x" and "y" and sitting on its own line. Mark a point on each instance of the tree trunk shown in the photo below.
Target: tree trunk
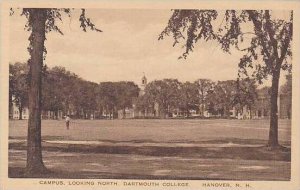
{"x": 84, "y": 114}
{"x": 78, "y": 114}
{"x": 56, "y": 114}
{"x": 273, "y": 133}
{"x": 124, "y": 113}
{"x": 225, "y": 111}
{"x": 35, "y": 163}
{"x": 250, "y": 111}
{"x": 20, "y": 112}
{"x": 10, "y": 107}
{"x": 202, "y": 105}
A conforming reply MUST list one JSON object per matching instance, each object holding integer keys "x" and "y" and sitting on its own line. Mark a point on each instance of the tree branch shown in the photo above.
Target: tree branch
{"x": 286, "y": 44}
{"x": 271, "y": 34}
{"x": 258, "y": 31}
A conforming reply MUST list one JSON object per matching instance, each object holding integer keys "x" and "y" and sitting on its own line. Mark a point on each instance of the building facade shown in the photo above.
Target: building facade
{"x": 16, "y": 112}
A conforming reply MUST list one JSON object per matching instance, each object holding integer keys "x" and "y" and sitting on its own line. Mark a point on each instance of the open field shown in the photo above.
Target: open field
{"x": 156, "y": 149}
{"x": 154, "y": 130}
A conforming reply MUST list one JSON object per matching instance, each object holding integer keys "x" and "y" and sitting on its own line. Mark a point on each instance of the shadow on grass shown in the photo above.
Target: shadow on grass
{"x": 215, "y": 141}
{"x": 245, "y": 153}
{"x": 17, "y": 172}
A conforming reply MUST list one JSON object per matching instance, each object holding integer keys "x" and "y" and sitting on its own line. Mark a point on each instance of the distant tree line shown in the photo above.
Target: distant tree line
{"x": 65, "y": 91}
{"x": 18, "y": 86}
{"x": 202, "y": 95}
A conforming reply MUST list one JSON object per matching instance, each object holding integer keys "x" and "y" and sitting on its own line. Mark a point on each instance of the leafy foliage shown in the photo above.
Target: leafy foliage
{"x": 270, "y": 38}
{"x": 201, "y": 95}
{"x": 286, "y": 89}
{"x": 205, "y": 89}
{"x": 86, "y": 22}
{"x": 188, "y": 97}
{"x": 18, "y": 85}
{"x": 197, "y": 24}
{"x": 54, "y": 15}
{"x": 224, "y": 96}
{"x": 163, "y": 92}
{"x": 112, "y": 96}
{"x": 268, "y": 52}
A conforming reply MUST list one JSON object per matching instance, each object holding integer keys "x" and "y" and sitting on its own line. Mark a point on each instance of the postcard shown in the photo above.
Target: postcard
{"x": 150, "y": 95}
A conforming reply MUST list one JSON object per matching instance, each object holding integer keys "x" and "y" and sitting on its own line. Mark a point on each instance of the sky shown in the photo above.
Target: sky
{"x": 127, "y": 48}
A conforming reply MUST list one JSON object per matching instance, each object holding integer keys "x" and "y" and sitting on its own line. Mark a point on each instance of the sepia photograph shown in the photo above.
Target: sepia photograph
{"x": 158, "y": 97}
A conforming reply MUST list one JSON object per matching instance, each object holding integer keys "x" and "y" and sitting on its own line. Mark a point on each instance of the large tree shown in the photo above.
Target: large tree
{"x": 246, "y": 94}
{"x": 107, "y": 97}
{"x": 53, "y": 89}
{"x": 145, "y": 104}
{"x": 18, "y": 86}
{"x": 64, "y": 90}
{"x": 188, "y": 97}
{"x": 224, "y": 96}
{"x": 268, "y": 51}
{"x": 87, "y": 94}
{"x": 39, "y": 22}
{"x": 113, "y": 96}
{"x": 204, "y": 86}
{"x": 165, "y": 93}
{"x": 127, "y": 92}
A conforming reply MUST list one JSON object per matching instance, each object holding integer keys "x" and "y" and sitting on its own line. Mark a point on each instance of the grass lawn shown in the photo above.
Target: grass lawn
{"x": 154, "y": 130}
{"x": 156, "y": 149}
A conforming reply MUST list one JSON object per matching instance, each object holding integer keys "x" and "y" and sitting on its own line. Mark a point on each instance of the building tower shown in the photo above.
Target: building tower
{"x": 143, "y": 85}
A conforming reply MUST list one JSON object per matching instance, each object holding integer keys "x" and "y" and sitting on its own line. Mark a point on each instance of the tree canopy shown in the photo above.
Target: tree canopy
{"x": 18, "y": 86}
{"x": 267, "y": 52}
